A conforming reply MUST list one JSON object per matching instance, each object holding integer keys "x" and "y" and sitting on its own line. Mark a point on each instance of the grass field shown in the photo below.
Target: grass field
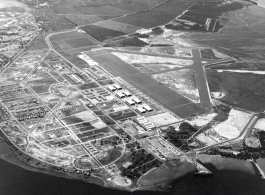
{"x": 118, "y": 26}
{"x": 101, "y": 33}
{"x": 242, "y": 90}
{"x": 83, "y": 19}
{"x": 79, "y": 42}
{"x": 42, "y": 85}
{"x": 73, "y": 58}
{"x": 157, "y": 16}
{"x": 68, "y": 35}
{"x": 104, "y": 10}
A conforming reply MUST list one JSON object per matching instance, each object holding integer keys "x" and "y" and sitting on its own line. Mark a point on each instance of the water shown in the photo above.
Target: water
{"x": 15, "y": 180}
{"x": 241, "y": 180}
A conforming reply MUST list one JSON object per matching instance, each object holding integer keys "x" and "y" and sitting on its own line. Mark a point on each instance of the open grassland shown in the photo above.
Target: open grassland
{"x": 242, "y": 90}
{"x": 104, "y": 7}
{"x": 159, "y": 15}
{"x": 101, "y": 33}
{"x": 79, "y": 42}
{"x": 71, "y": 41}
{"x": 118, "y": 26}
{"x": 83, "y": 20}
{"x": 236, "y": 38}
{"x": 151, "y": 17}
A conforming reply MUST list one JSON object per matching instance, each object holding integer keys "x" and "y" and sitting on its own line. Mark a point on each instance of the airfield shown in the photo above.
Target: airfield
{"x": 171, "y": 100}
{"x": 116, "y": 92}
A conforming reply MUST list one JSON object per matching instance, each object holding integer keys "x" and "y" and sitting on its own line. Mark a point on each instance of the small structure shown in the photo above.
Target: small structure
{"x": 127, "y": 93}
{"x": 130, "y": 102}
{"x": 111, "y": 88}
{"x": 120, "y": 95}
{"x": 148, "y": 108}
{"x": 136, "y": 100}
{"x": 118, "y": 87}
{"x": 140, "y": 110}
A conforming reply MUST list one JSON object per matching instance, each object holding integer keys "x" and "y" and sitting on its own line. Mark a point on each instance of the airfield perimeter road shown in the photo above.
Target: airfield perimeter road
{"x": 168, "y": 98}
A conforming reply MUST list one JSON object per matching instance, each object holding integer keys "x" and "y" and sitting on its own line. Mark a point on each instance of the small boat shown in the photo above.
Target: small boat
{"x": 203, "y": 174}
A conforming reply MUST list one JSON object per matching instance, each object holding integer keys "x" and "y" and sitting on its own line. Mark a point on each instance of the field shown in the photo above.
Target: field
{"x": 42, "y": 85}
{"x": 242, "y": 90}
{"x": 122, "y": 114}
{"x": 117, "y": 26}
{"x": 76, "y": 119}
{"x": 83, "y": 19}
{"x": 73, "y": 110}
{"x": 182, "y": 81}
{"x": 39, "y": 43}
{"x": 204, "y": 16}
{"x": 60, "y": 90}
{"x": 79, "y": 42}
{"x": 163, "y": 119}
{"x": 73, "y": 58}
{"x": 94, "y": 134}
{"x": 127, "y": 42}
{"x": 112, "y": 106}
{"x": 152, "y": 18}
{"x": 39, "y": 73}
{"x": 148, "y": 15}
{"x": 51, "y": 21}
{"x": 132, "y": 58}
{"x": 101, "y": 33}
{"x": 81, "y": 127}
{"x": 66, "y": 41}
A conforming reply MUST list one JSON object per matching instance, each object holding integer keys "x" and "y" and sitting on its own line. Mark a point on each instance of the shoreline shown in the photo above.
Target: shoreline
{"x": 8, "y": 155}
{"x": 214, "y": 163}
